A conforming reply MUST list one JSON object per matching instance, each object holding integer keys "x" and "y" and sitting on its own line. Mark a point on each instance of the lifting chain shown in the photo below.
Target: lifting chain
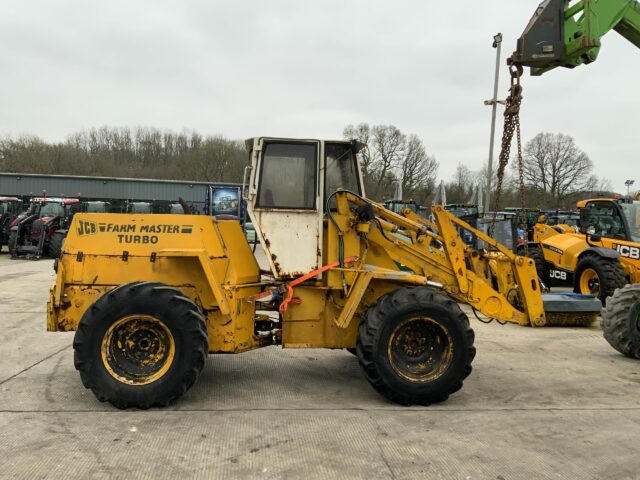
{"x": 511, "y": 125}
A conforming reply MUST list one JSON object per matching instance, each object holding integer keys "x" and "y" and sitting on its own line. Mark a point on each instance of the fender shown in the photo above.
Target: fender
{"x": 529, "y": 244}
{"x": 602, "y": 251}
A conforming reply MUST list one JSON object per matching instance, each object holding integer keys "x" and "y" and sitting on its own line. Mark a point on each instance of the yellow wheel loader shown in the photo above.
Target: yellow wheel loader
{"x": 149, "y": 296}
{"x": 600, "y": 260}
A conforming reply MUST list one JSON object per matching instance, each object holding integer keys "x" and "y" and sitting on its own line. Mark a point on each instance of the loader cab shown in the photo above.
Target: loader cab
{"x": 290, "y": 186}
{"x": 611, "y": 218}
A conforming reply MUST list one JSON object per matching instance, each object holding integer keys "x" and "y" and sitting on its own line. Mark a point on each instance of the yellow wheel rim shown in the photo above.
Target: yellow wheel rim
{"x": 590, "y": 282}
{"x": 138, "y": 349}
{"x": 420, "y": 349}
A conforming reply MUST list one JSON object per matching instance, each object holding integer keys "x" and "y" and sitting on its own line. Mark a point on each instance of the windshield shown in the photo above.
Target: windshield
{"x": 632, "y": 213}
{"x": 340, "y": 169}
{"x": 52, "y": 210}
{"x": 4, "y": 208}
{"x": 140, "y": 207}
{"x": 96, "y": 207}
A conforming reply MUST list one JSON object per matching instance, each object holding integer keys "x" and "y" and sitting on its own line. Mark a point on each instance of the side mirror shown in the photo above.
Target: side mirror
{"x": 356, "y": 146}
{"x": 585, "y": 216}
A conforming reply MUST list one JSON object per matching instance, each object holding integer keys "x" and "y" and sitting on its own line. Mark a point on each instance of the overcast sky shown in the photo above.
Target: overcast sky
{"x": 304, "y": 69}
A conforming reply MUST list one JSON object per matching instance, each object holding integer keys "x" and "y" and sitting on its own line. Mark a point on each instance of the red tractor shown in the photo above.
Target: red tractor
{"x": 57, "y": 239}
{"x": 30, "y": 234}
{"x": 9, "y": 210}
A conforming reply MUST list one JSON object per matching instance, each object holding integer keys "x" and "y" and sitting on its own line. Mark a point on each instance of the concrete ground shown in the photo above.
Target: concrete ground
{"x": 541, "y": 403}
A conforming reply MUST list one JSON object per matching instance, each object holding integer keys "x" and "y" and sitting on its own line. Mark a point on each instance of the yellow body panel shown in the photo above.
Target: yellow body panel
{"x": 564, "y": 251}
{"x": 191, "y": 253}
{"x": 542, "y": 231}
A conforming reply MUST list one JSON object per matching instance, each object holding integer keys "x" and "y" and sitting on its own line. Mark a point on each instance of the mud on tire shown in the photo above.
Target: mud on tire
{"x": 415, "y": 346}
{"x": 621, "y": 320}
{"x": 141, "y": 344}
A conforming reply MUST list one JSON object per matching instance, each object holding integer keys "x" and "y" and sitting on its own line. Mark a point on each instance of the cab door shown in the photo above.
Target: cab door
{"x": 284, "y": 203}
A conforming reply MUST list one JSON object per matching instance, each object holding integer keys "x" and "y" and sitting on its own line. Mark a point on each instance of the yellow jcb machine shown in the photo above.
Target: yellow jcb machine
{"x": 603, "y": 257}
{"x": 151, "y": 295}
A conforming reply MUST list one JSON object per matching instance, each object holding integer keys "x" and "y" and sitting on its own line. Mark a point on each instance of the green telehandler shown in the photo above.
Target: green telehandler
{"x": 567, "y": 34}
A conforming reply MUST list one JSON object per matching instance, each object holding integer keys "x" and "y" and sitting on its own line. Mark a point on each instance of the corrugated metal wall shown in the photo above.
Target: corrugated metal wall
{"x": 16, "y": 184}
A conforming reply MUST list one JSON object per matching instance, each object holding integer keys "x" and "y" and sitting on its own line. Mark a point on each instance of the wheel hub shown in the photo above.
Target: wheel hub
{"x": 590, "y": 282}
{"x": 138, "y": 349}
{"x": 420, "y": 349}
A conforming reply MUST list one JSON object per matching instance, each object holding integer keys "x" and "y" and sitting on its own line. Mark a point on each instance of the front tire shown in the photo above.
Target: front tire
{"x": 621, "y": 321}
{"x": 56, "y": 244}
{"x": 598, "y": 276}
{"x": 141, "y": 344}
{"x": 535, "y": 254}
{"x": 415, "y": 346}
{"x": 12, "y": 244}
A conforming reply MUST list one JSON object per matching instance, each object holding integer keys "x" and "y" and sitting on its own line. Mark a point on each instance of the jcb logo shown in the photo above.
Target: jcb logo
{"x": 628, "y": 251}
{"x": 86, "y": 228}
{"x": 558, "y": 274}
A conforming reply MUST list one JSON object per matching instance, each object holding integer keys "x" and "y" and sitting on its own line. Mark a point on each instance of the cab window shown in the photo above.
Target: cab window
{"x": 52, "y": 210}
{"x": 288, "y": 176}
{"x": 340, "y": 170}
{"x": 605, "y": 220}
{"x": 632, "y": 212}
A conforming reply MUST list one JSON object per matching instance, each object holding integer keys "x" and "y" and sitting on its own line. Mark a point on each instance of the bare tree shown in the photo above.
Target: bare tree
{"x": 384, "y": 145}
{"x": 419, "y": 170}
{"x": 390, "y": 155}
{"x": 137, "y": 152}
{"x": 362, "y": 133}
{"x": 554, "y": 165}
{"x": 460, "y": 188}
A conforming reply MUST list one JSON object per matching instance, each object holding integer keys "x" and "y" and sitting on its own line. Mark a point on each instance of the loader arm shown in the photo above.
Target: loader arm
{"x": 497, "y": 283}
{"x": 563, "y": 35}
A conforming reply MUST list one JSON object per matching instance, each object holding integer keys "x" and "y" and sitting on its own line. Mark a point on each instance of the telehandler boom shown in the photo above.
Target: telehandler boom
{"x": 563, "y": 33}
{"x": 150, "y": 295}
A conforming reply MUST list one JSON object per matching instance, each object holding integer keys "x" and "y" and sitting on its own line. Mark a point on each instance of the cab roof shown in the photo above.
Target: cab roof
{"x": 583, "y": 203}
{"x": 64, "y": 201}
{"x": 9, "y": 199}
{"x": 248, "y": 143}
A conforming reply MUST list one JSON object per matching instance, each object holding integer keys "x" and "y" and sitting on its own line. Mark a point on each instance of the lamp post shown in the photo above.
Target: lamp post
{"x": 628, "y": 184}
{"x": 497, "y": 42}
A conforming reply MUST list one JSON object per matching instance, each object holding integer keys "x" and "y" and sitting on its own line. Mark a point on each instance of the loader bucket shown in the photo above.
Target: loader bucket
{"x": 570, "y": 309}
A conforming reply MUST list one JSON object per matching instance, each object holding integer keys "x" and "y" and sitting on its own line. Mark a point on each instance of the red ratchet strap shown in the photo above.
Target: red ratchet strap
{"x": 289, "y": 286}
{"x": 296, "y": 301}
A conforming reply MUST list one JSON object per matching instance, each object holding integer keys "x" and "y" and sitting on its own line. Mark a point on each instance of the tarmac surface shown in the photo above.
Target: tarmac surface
{"x": 549, "y": 403}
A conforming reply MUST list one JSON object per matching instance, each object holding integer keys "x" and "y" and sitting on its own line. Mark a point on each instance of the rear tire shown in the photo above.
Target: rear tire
{"x": 141, "y": 344}
{"x": 599, "y": 276}
{"x": 415, "y": 346}
{"x": 56, "y": 244}
{"x": 621, "y": 320}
